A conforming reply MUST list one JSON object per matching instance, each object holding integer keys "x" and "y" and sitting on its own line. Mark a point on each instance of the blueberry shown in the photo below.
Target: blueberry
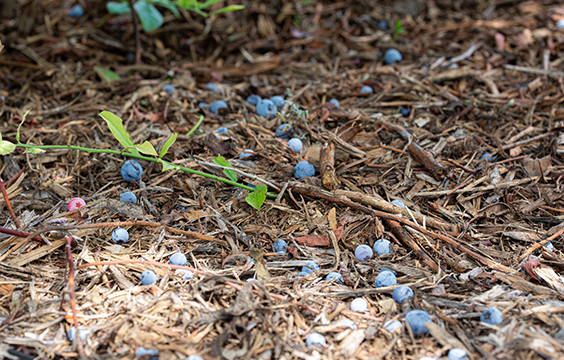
{"x": 398, "y": 203}
{"x": 283, "y": 131}
{"x": 457, "y": 354}
{"x": 302, "y": 274}
{"x": 366, "y": 89}
{"x": 417, "y": 320}
{"x": 246, "y": 153}
{"x": 178, "y": 259}
{"x": 401, "y": 293}
{"x": 212, "y": 87}
{"x": 385, "y": 278}
{"x": 487, "y": 157}
{"x": 386, "y": 269}
{"x": 405, "y": 111}
{"x": 492, "y": 316}
{"x": 184, "y": 274}
{"x": 316, "y": 339}
{"x": 560, "y": 24}
{"x": 202, "y": 105}
{"x": 120, "y": 236}
{"x": 392, "y": 326}
{"x": 131, "y": 170}
{"x": 549, "y": 246}
{"x": 75, "y": 203}
{"x": 336, "y": 102}
{"x": 148, "y": 277}
{"x": 304, "y": 169}
{"x": 359, "y": 305}
{"x": 363, "y": 252}
{"x": 335, "y": 275}
{"x": 253, "y": 99}
{"x": 266, "y": 108}
{"x": 383, "y": 25}
{"x": 128, "y": 196}
{"x": 279, "y": 246}
{"x": 348, "y": 323}
{"x": 310, "y": 267}
{"x": 142, "y": 352}
{"x": 168, "y": 89}
{"x": 194, "y": 357}
{"x": 82, "y": 332}
{"x": 76, "y": 12}
{"x": 222, "y": 130}
{"x": 296, "y": 145}
{"x": 382, "y": 247}
{"x": 278, "y": 101}
{"x": 251, "y": 186}
{"x": 251, "y": 279}
{"x": 392, "y": 56}
{"x": 216, "y": 105}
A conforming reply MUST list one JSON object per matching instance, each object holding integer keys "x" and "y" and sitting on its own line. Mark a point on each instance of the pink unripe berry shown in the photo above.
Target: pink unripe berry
{"x": 75, "y": 203}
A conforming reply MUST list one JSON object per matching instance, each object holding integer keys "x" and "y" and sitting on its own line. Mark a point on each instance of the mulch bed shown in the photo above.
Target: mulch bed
{"x": 478, "y": 163}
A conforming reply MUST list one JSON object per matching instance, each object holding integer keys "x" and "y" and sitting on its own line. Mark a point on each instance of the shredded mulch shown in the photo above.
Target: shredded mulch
{"x": 478, "y": 163}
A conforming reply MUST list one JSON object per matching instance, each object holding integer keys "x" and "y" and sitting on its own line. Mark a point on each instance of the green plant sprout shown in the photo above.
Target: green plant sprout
{"x": 151, "y": 18}
{"x": 255, "y": 198}
{"x": 399, "y": 30}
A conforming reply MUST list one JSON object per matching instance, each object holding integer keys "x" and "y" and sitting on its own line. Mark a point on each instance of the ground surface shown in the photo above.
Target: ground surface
{"x": 478, "y": 77}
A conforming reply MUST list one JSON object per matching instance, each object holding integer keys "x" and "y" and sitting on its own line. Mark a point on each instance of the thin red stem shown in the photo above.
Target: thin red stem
{"x": 72, "y": 296}
{"x": 7, "y": 200}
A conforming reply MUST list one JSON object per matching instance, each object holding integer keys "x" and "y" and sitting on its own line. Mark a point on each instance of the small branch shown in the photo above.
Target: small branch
{"x": 23, "y": 234}
{"x": 70, "y": 261}
{"x": 8, "y": 204}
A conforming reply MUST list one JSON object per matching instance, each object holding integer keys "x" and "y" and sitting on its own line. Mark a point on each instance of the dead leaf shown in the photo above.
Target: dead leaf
{"x": 313, "y": 240}
{"x": 537, "y": 167}
{"x": 530, "y": 266}
{"x": 217, "y": 146}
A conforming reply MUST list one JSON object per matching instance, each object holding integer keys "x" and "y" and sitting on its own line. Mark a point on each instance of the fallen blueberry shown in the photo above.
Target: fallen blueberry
{"x": 278, "y": 101}
{"x": 304, "y": 169}
{"x": 178, "y": 259}
{"x": 405, "y": 111}
{"x": 457, "y": 354}
{"x": 383, "y": 25}
{"x": 128, "y": 196}
{"x": 348, "y": 323}
{"x": 266, "y": 108}
{"x": 142, "y": 352}
{"x": 560, "y": 24}
{"x": 148, "y": 277}
{"x": 316, "y": 339}
{"x": 310, "y": 267}
{"x": 366, "y": 89}
{"x": 386, "y": 269}
{"x": 120, "y": 236}
{"x": 251, "y": 279}
{"x": 487, "y": 157}
{"x": 303, "y": 274}
{"x": 131, "y": 170}
{"x": 549, "y": 246}
{"x": 392, "y": 326}
{"x": 401, "y": 293}
{"x": 254, "y": 99}
{"x": 336, "y": 276}
{"x": 417, "y": 320}
{"x": 185, "y": 274}
{"x": 251, "y": 186}
{"x": 296, "y": 145}
{"x": 76, "y": 12}
{"x": 398, "y": 203}
{"x": 82, "y": 332}
{"x": 492, "y": 316}
{"x": 385, "y": 278}
{"x": 194, "y": 357}
{"x": 359, "y": 305}
{"x": 283, "y": 131}
{"x": 279, "y": 246}
{"x": 246, "y": 153}
{"x": 202, "y": 104}
{"x": 222, "y": 131}
{"x": 382, "y": 247}
{"x": 216, "y": 105}
{"x": 363, "y": 252}
{"x": 168, "y": 89}
{"x": 212, "y": 87}
{"x": 336, "y": 102}
{"x": 75, "y": 203}
{"x": 392, "y": 56}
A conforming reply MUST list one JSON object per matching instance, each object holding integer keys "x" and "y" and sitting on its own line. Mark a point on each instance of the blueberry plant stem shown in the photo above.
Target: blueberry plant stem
{"x": 70, "y": 262}
{"x": 141, "y": 157}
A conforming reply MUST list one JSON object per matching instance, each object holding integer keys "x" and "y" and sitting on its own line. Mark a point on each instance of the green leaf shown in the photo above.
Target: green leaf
{"x": 20, "y": 125}
{"x": 6, "y": 147}
{"x": 228, "y": 9}
{"x": 169, "y": 5}
{"x": 207, "y": 4}
{"x": 34, "y": 151}
{"x": 171, "y": 139}
{"x": 151, "y": 19}
{"x": 185, "y": 4}
{"x": 220, "y": 160}
{"x": 106, "y": 74}
{"x": 169, "y": 166}
{"x": 257, "y": 197}
{"x": 116, "y": 127}
{"x": 200, "y": 121}
{"x": 117, "y": 8}
{"x": 146, "y": 148}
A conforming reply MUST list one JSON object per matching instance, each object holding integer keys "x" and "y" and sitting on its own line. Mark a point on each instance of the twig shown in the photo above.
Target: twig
{"x": 23, "y": 234}
{"x": 70, "y": 261}
{"x": 8, "y": 204}
{"x": 533, "y": 247}
{"x": 526, "y": 141}
{"x": 549, "y": 73}
{"x": 482, "y": 188}
{"x": 254, "y": 177}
